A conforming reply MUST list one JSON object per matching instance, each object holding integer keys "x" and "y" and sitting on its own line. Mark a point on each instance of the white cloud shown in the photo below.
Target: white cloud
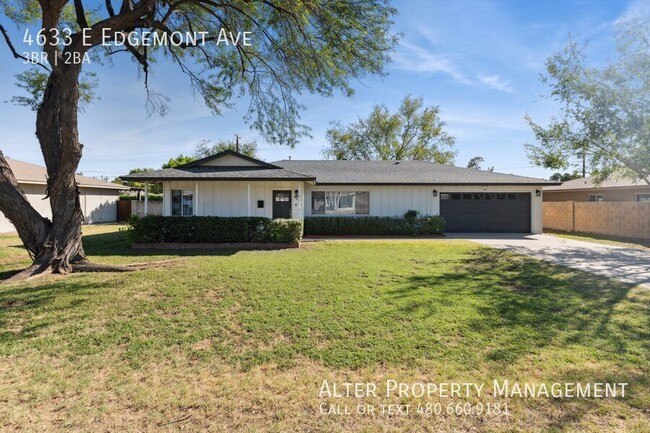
{"x": 411, "y": 57}
{"x": 497, "y": 83}
{"x": 414, "y": 58}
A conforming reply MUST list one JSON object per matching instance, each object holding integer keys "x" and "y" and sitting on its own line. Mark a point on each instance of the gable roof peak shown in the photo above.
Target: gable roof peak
{"x": 226, "y": 153}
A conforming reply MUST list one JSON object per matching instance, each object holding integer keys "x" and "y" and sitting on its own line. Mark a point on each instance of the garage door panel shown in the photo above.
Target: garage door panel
{"x": 486, "y": 212}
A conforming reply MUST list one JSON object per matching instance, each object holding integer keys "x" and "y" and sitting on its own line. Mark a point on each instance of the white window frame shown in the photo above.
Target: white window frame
{"x": 184, "y": 192}
{"x": 337, "y": 194}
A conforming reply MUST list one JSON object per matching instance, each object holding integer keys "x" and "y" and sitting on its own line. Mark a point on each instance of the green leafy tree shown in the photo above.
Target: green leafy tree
{"x": 475, "y": 163}
{"x": 563, "y": 177}
{"x": 153, "y": 187}
{"x": 207, "y": 148}
{"x": 604, "y": 121}
{"x": 312, "y": 46}
{"x": 179, "y": 160}
{"x": 414, "y": 132}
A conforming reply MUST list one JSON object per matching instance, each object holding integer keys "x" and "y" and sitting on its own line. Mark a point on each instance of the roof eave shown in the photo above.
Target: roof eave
{"x": 81, "y": 185}
{"x": 440, "y": 183}
{"x": 593, "y": 188}
{"x": 207, "y": 179}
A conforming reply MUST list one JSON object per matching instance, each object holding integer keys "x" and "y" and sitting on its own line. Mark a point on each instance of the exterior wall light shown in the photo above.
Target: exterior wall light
{"x": 538, "y": 193}
{"x": 435, "y": 193}
{"x": 296, "y": 194}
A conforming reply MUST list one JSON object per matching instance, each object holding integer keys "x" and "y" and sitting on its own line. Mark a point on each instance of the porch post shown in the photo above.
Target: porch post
{"x": 167, "y": 198}
{"x": 248, "y": 200}
{"x": 301, "y": 201}
{"x": 195, "y": 207}
{"x": 146, "y": 198}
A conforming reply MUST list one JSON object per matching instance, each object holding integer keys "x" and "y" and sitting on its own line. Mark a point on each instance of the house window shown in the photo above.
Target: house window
{"x": 643, "y": 197}
{"x": 596, "y": 197}
{"x": 340, "y": 202}
{"x": 182, "y": 202}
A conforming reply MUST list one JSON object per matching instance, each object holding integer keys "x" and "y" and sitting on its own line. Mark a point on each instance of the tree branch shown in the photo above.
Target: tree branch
{"x": 15, "y": 53}
{"x": 109, "y": 8}
{"x": 32, "y": 228}
{"x": 81, "y": 14}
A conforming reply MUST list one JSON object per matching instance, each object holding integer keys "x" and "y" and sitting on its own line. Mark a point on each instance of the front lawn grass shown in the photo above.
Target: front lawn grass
{"x": 241, "y": 341}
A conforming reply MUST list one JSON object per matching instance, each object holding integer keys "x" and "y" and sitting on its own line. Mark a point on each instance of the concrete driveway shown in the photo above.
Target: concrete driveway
{"x": 630, "y": 265}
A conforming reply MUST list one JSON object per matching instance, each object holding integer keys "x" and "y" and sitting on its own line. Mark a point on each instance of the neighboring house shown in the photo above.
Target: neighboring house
{"x": 98, "y": 198}
{"x": 584, "y": 189}
{"x": 230, "y": 184}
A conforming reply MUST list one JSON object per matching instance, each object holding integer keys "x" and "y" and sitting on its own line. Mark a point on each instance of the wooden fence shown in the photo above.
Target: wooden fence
{"x": 626, "y": 219}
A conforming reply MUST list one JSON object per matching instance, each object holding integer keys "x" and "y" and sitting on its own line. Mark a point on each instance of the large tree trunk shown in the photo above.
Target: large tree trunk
{"x": 54, "y": 245}
{"x": 58, "y": 134}
{"x": 32, "y": 228}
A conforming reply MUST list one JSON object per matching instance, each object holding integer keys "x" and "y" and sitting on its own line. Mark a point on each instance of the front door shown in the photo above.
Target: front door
{"x": 281, "y": 204}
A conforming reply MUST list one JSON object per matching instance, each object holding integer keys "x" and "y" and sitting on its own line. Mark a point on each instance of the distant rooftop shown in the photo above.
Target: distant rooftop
{"x": 36, "y": 174}
{"x": 589, "y": 183}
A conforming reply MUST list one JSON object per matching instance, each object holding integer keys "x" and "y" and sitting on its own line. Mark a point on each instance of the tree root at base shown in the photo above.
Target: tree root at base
{"x": 41, "y": 269}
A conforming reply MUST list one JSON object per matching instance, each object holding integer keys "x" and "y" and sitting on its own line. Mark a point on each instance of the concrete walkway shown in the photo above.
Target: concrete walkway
{"x": 630, "y": 265}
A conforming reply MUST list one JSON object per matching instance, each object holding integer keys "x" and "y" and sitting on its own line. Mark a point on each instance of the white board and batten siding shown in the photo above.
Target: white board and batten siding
{"x": 98, "y": 205}
{"x": 239, "y": 198}
{"x": 234, "y": 198}
{"x": 385, "y": 200}
{"x": 395, "y": 200}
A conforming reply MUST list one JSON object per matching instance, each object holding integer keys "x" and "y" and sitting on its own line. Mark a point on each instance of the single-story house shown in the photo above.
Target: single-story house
{"x": 98, "y": 198}
{"x": 231, "y": 184}
{"x": 585, "y": 189}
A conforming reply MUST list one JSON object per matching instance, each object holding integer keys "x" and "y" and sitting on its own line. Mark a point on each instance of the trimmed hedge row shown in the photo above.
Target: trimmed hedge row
{"x": 332, "y": 226}
{"x": 152, "y": 197}
{"x": 155, "y": 228}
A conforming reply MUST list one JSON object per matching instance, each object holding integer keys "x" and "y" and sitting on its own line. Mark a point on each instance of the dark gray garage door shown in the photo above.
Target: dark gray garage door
{"x": 486, "y": 212}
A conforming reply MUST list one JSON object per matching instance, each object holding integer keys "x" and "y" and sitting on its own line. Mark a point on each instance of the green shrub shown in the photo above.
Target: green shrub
{"x": 152, "y": 197}
{"x": 155, "y": 228}
{"x": 285, "y": 231}
{"x": 374, "y": 226}
{"x": 411, "y": 215}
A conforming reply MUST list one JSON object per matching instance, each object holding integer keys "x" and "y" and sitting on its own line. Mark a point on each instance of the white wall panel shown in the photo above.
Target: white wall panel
{"x": 98, "y": 205}
{"x": 230, "y": 198}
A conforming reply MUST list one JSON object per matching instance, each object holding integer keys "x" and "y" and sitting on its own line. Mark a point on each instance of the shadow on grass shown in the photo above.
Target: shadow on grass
{"x": 527, "y": 304}
{"x": 26, "y": 301}
{"x": 118, "y": 244}
{"x": 523, "y": 305}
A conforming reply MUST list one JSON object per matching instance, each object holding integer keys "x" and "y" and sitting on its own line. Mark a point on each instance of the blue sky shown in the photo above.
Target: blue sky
{"x": 479, "y": 61}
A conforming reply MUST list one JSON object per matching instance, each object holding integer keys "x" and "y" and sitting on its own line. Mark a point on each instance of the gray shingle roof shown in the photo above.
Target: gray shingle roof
{"x": 36, "y": 174}
{"x": 588, "y": 183}
{"x": 342, "y": 172}
{"x": 217, "y": 173}
{"x": 402, "y": 172}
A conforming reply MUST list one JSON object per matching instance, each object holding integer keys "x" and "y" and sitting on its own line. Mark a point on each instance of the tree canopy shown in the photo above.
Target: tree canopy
{"x": 179, "y": 160}
{"x": 207, "y": 147}
{"x": 413, "y": 132}
{"x": 604, "y": 114}
{"x": 313, "y": 46}
{"x": 563, "y": 177}
{"x": 475, "y": 163}
{"x": 267, "y": 50}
